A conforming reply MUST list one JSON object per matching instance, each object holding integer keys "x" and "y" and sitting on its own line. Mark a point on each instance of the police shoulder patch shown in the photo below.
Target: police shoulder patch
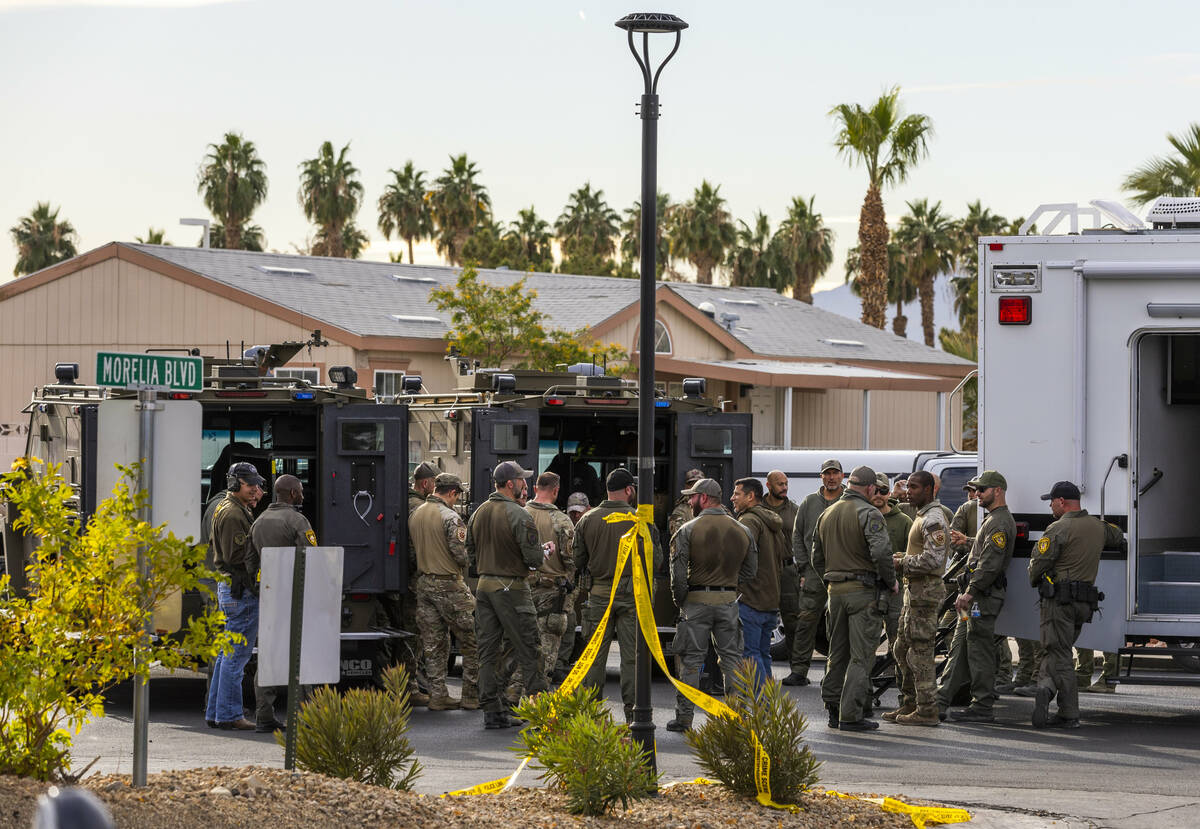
{"x": 460, "y": 534}
{"x": 310, "y": 537}
{"x": 999, "y": 539}
{"x": 1043, "y": 545}
{"x": 239, "y": 538}
{"x": 939, "y": 537}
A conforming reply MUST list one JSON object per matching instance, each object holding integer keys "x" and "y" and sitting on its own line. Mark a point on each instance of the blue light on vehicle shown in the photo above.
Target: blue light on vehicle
{"x": 302, "y": 395}
{"x": 662, "y": 404}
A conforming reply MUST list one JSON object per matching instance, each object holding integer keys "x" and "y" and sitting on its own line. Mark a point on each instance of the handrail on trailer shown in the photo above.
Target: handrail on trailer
{"x": 950, "y": 399}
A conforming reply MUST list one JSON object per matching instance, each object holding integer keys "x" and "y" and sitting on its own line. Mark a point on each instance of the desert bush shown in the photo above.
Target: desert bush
{"x": 80, "y": 627}
{"x": 583, "y": 752}
{"x": 725, "y": 749}
{"x": 360, "y": 734}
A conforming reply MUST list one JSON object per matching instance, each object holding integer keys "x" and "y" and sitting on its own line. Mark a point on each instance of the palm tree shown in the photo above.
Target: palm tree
{"x": 805, "y": 246}
{"x": 979, "y": 221}
{"x": 530, "y": 236}
{"x": 752, "y": 260}
{"x": 631, "y": 237}
{"x": 1177, "y": 175}
{"x": 928, "y": 237}
{"x": 404, "y": 209}
{"x": 351, "y": 244}
{"x": 889, "y": 146}
{"x": 154, "y": 236}
{"x": 587, "y": 231}
{"x": 901, "y": 290}
{"x": 252, "y": 237}
{"x": 459, "y": 204}
{"x": 702, "y": 230}
{"x": 330, "y": 194}
{"x": 233, "y": 182}
{"x": 41, "y": 239}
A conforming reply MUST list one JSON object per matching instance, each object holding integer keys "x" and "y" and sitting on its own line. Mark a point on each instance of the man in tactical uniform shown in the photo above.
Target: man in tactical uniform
{"x": 238, "y": 599}
{"x": 851, "y": 552}
{"x": 402, "y": 607}
{"x": 777, "y": 501}
{"x": 972, "y": 659}
{"x": 555, "y": 578}
{"x": 812, "y": 590}
{"x": 1063, "y": 568}
{"x": 577, "y": 505}
{"x": 281, "y": 525}
{"x": 682, "y": 513}
{"x": 444, "y": 602}
{"x": 710, "y": 556}
{"x": 596, "y": 545}
{"x": 502, "y": 542}
{"x": 758, "y": 604}
{"x": 897, "y": 525}
{"x": 922, "y": 564}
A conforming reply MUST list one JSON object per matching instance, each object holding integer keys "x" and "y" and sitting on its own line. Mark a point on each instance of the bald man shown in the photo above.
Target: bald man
{"x": 777, "y": 500}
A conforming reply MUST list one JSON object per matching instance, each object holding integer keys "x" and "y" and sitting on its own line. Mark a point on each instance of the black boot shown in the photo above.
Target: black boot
{"x": 833, "y": 715}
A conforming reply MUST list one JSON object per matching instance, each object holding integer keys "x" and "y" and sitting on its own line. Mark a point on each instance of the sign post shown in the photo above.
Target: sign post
{"x": 147, "y": 373}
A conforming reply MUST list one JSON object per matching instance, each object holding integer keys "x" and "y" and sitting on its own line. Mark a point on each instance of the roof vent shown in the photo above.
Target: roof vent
{"x": 428, "y": 280}
{"x": 843, "y": 343}
{"x": 1169, "y": 212}
{"x": 739, "y": 301}
{"x": 708, "y": 309}
{"x": 414, "y": 318}
{"x": 274, "y": 271}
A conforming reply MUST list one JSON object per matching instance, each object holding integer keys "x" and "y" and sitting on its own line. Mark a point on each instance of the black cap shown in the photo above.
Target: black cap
{"x": 1062, "y": 489}
{"x": 618, "y": 479}
{"x": 244, "y": 472}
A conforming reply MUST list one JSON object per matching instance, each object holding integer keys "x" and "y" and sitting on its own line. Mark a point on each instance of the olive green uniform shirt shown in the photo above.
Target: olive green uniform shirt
{"x": 990, "y": 553}
{"x": 787, "y": 512}
{"x": 230, "y": 540}
{"x": 282, "y": 525}
{"x": 711, "y": 550}
{"x": 1070, "y": 548}
{"x": 596, "y": 544}
{"x": 898, "y": 524}
{"x": 807, "y": 513}
{"x": 850, "y": 539}
{"x": 966, "y": 520}
{"x": 502, "y": 539}
{"x": 440, "y": 538}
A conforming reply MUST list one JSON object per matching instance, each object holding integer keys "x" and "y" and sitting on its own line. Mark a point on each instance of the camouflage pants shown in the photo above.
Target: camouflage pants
{"x": 567, "y": 646}
{"x": 1085, "y": 665}
{"x": 892, "y": 619}
{"x": 551, "y": 623}
{"x": 699, "y": 623}
{"x": 1060, "y": 628}
{"x": 914, "y": 644}
{"x": 808, "y": 617}
{"x": 446, "y": 606}
{"x": 1030, "y": 654}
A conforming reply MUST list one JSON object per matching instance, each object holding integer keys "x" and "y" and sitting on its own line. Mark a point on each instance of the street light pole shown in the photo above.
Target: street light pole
{"x": 646, "y": 24}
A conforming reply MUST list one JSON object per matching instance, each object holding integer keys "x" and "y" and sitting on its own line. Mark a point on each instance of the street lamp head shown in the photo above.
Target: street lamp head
{"x": 651, "y": 23}
{"x": 646, "y": 24}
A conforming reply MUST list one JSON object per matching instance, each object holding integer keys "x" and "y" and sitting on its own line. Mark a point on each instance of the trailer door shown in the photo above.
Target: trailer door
{"x": 716, "y": 443}
{"x": 501, "y": 435}
{"x": 363, "y": 493}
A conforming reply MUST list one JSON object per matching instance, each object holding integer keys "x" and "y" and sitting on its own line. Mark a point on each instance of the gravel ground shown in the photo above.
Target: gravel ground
{"x": 215, "y": 798}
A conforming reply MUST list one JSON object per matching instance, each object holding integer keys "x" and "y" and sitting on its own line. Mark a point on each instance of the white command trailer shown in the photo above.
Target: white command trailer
{"x": 1089, "y": 368}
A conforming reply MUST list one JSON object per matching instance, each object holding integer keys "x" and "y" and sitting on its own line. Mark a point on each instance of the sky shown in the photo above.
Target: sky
{"x": 108, "y": 106}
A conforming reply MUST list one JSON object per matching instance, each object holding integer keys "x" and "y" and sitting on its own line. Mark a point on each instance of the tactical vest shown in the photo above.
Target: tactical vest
{"x": 842, "y": 538}
{"x": 497, "y": 551}
{"x": 427, "y": 531}
{"x": 717, "y": 548}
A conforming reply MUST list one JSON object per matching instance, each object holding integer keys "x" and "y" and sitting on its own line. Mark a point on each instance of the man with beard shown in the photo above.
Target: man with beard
{"x": 758, "y": 604}
{"x": 777, "y": 500}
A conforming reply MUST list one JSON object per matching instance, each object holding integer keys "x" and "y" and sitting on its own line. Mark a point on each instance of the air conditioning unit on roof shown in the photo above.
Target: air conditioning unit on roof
{"x": 1169, "y": 212}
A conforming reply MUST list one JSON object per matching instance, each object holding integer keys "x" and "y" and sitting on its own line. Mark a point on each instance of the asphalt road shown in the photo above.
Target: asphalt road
{"x": 1137, "y": 752}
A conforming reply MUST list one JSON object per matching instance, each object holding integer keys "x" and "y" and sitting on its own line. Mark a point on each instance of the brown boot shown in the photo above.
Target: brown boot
{"x": 921, "y": 716}
{"x": 470, "y": 697}
{"x": 446, "y": 703}
{"x": 906, "y": 708}
{"x": 417, "y": 699}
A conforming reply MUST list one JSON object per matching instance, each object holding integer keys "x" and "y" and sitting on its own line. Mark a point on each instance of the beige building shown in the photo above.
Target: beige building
{"x": 811, "y": 378}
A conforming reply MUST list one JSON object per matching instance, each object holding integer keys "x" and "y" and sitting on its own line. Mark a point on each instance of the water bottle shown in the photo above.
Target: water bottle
{"x": 975, "y": 610}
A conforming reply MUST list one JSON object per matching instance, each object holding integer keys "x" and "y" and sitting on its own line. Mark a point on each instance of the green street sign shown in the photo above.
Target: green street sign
{"x": 149, "y": 371}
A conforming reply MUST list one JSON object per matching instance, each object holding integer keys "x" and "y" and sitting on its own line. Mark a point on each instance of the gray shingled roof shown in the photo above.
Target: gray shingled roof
{"x": 360, "y": 297}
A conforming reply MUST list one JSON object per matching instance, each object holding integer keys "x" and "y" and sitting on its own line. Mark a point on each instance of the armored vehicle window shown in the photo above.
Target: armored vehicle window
{"x": 712, "y": 441}
{"x": 361, "y": 436}
{"x": 511, "y": 437}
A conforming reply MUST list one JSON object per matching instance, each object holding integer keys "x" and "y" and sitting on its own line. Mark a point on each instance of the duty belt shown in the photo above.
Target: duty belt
{"x": 442, "y": 575}
{"x": 705, "y": 588}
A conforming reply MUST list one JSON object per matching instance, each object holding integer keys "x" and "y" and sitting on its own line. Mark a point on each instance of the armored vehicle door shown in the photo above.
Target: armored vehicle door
{"x": 363, "y": 493}
{"x": 716, "y": 443}
{"x": 501, "y": 435}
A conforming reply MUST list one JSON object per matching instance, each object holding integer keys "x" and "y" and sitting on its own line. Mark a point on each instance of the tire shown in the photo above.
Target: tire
{"x": 781, "y": 644}
{"x": 1187, "y": 662}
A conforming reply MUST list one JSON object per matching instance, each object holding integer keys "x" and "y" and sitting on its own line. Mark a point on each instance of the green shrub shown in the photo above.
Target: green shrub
{"x": 592, "y": 759}
{"x": 359, "y": 735}
{"x": 725, "y": 749}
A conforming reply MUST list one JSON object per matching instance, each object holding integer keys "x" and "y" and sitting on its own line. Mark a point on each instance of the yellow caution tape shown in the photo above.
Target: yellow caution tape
{"x": 919, "y": 815}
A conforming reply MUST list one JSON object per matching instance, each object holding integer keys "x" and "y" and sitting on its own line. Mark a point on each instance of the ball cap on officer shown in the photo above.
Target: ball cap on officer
{"x": 692, "y": 476}
{"x": 989, "y": 478}
{"x": 834, "y": 464}
{"x": 245, "y": 472}
{"x": 425, "y": 470}
{"x": 618, "y": 479}
{"x": 1062, "y": 489}
{"x": 861, "y": 476}
{"x": 445, "y": 480}
{"x": 578, "y": 502}
{"x": 704, "y": 486}
{"x": 509, "y": 471}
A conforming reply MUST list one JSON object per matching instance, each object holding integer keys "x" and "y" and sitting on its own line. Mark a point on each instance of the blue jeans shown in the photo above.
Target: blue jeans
{"x": 757, "y": 626}
{"x": 225, "y": 688}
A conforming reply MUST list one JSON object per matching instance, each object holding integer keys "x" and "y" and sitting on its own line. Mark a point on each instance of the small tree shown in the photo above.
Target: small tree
{"x": 81, "y": 628}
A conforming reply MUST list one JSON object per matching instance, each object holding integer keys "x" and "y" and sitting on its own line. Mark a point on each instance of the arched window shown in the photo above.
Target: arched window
{"x": 662, "y": 338}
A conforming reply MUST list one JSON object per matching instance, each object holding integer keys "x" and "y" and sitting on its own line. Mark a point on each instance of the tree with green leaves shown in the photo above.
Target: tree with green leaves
{"x": 888, "y": 144}
{"x": 805, "y": 247}
{"x": 752, "y": 260}
{"x": 979, "y": 221}
{"x": 459, "y": 205}
{"x": 587, "y": 231}
{"x": 1173, "y": 175}
{"x": 701, "y": 231}
{"x": 631, "y": 238}
{"x": 154, "y": 236}
{"x": 487, "y": 248}
{"x": 252, "y": 237}
{"x": 965, "y": 344}
{"x": 41, "y": 239}
{"x": 529, "y": 235}
{"x": 404, "y": 207}
{"x": 928, "y": 236}
{"x": 901, "y": 290}
{"x": 233, "y": 182}
{"x": 330, "y": 194}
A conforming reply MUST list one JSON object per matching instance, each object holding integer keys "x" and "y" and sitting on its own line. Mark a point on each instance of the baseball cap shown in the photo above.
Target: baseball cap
{"x": 424, "y": 470}
{"x": 577, "y": 502}
{"x": 692, "y": 476}
{"x": 509, "y": 471}
{"x": 1062, "y": 489}
{"x": 618, "y": 479}
{"x": 704, "y": 486}
{"x": 244, "y": 472}
{"x": 988, "y": 478}
{"x": 882, "y": 481}
{"x": 445, "y": 481}
{"x": 831, "y": 464}
{"x": 863, "y": 476}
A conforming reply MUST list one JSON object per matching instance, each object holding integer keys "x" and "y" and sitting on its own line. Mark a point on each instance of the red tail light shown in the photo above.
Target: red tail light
{"x": 1016, "y": 310}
